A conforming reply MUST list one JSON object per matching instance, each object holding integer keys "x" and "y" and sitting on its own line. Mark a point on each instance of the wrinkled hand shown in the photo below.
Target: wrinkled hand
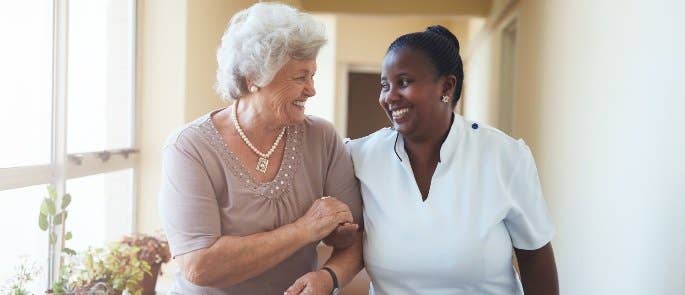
{"x": 313, "y": 283}
{"x": 343, "y": 236}
{"x": 323, "y": 217}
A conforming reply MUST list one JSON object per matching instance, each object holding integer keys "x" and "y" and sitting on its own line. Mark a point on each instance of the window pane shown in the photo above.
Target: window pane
{"x": 101, "y": 209}
{"x": 25, "y": 82}
{"x": 99, "y": 75}
{"x": 19, "y": 220}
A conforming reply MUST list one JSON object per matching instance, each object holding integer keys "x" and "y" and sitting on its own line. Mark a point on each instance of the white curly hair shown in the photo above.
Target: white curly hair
{"x": 261, "y": 39}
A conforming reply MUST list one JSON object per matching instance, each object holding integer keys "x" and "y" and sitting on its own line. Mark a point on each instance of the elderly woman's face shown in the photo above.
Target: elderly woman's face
{"x": 286, "y": 95}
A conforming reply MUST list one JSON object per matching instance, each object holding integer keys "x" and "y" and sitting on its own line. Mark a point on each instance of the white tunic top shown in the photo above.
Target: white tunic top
{"x": 484, "y": 198}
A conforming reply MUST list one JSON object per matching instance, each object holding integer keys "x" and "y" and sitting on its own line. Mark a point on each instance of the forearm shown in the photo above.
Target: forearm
{"x": 231, "y": 260}
{"x": 538, "y": 271}
{"x": 347, "y": 262}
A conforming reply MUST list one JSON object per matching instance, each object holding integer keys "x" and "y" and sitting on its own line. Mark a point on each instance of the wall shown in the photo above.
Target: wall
{"x": 177, "y": 42}
{"x": 598, "y": 94}
{"x": 161, "y": 81}
{"x": 206, "y": 23}
{"x": 387, "y": 7}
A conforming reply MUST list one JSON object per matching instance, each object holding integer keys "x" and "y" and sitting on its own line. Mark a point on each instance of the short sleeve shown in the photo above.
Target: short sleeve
{"x": 187, "y": 203}
{"x": 340, "y": 181}
{"x": 528, "y": 221}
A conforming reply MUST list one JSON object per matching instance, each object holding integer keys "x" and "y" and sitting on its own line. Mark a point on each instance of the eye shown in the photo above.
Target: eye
{"x": 404, "y": 82}
{"x": 384, "y": 86}
{"x": 301, "y": 78}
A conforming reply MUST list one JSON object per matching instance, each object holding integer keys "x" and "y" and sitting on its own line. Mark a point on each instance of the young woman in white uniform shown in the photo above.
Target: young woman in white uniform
{"x": 446, "y": 200}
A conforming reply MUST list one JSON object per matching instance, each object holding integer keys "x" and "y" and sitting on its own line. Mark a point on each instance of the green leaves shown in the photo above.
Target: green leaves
{"x": 66, "y": 200}
{"x": 47, "y": 207}
{"x": 50, "y": 217}
{"x": 59, "y": 218}
{"x": 52, "y": 193}
{"x": 43, "y": 221}
{"x": 69, "y": 251}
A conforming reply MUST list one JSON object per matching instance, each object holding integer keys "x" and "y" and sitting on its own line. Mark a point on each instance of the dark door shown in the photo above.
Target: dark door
{"x": 364, "y": 114}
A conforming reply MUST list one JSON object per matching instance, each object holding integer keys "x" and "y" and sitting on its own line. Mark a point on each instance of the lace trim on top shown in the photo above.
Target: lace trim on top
{"x": 282, "y": 183}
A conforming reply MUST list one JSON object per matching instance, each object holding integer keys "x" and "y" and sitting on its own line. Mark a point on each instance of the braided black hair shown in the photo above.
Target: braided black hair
{"x": 442, "y": 49}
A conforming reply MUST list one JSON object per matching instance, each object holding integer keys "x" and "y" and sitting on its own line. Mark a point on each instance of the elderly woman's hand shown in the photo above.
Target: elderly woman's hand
{"x": 314, "y": 283}
{"x": 343, "y": 236}
{"x": 323, "y": 217}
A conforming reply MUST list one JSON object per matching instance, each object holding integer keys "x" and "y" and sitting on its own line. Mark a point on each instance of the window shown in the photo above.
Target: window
{"x": 23, "y": 239}
{"x": 67, "y": 114}
{"x": 26, "y": 82}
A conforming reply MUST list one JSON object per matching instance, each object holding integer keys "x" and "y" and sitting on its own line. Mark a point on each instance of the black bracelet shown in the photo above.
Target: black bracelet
{"x": 335, "y": 278}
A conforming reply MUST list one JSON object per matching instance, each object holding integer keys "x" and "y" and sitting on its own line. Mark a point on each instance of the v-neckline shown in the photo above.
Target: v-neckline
{"x": 292, "y": 158}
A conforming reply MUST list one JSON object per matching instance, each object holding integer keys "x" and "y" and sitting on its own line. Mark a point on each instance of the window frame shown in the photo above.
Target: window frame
{"x": 64, "y": 166}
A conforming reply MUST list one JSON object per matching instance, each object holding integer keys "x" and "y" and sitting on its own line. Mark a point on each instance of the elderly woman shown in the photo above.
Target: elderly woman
{"x": 249, "y": 190}
{"x": 462, "y": 195}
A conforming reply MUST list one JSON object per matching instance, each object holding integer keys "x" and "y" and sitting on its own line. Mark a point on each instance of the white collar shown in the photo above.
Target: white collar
{"x": 447, "y": 148}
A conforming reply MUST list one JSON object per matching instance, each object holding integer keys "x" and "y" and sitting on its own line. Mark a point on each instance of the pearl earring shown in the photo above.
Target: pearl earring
{"x": 445, "y": 98}
{"x": 254, "y": 88}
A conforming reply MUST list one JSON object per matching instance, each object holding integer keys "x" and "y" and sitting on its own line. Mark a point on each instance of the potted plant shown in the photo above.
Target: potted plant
{"x": 110, "y": 270}
{"x": 153, "y": 250}
{"x": 52, "y": 218}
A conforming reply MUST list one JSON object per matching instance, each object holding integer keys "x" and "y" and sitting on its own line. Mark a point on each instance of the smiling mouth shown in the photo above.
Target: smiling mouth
{"x": 299, "y": 103}
{"x": 399, "y": 113}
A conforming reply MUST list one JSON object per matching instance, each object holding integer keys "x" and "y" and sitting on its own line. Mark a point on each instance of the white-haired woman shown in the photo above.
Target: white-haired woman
{"x": 245, "y": 191}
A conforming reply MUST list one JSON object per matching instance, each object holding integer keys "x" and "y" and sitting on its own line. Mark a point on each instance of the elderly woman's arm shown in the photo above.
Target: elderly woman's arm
{"x": 346, "y": 263}
{"x": 538, "y": 271}
{"x": 231, "y": 260}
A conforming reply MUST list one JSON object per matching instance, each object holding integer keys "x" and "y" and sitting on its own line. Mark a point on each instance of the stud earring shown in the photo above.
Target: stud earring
{"x": 445, "y": 98}
{"x": 254, "y": 89}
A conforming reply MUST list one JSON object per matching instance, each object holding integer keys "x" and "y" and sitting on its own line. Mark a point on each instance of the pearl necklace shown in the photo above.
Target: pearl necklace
{"x": 263, "y": 162}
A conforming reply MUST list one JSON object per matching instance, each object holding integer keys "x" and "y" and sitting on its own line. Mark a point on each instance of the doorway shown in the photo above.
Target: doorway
{"x": 364, "y": 115}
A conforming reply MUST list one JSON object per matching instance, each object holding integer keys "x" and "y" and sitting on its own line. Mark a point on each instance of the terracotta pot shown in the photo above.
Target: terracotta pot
{"x": 150, "y": 280}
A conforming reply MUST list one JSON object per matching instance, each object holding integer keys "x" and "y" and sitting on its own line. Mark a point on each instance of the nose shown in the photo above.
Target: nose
{"x": 309, "y": 89}
{"x": 390, "y": 96}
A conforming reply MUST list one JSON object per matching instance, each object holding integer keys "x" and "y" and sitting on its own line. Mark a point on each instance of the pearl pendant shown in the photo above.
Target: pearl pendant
{"x": 262, "y": 164}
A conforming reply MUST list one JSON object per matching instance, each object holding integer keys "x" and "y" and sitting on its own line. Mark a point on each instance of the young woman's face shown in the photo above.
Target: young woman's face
{"x": 411, "y": 93}
{"x": 284, "y": 98}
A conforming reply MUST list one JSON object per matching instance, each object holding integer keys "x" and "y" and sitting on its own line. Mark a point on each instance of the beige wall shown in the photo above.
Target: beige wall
{"x": 206, "y": 22}
{"x": 599, "y": 99}
{"x": 160, "y": 95}
{"x": 363, "y": 40}
{"x": 404, "y": 7}
{"x": 177, "y": 42}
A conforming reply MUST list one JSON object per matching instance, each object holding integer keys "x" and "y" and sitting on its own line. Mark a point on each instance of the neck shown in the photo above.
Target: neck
{"x": 256, "y": 121}
{"x": 427, "y": 146}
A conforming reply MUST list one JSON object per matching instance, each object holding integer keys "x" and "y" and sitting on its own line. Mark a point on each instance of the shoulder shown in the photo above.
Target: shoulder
{"x": 491, "y": 144}
{"x": 490, "y": 139}
{"x": 373, "y": 142}
{"x": 191, "y": 135}
{"x": 317, "y": 125}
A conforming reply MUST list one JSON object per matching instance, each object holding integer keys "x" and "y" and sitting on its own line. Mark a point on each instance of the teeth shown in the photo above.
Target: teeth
{"x": 299, "y": 103}
{"x": 399, "y": 113}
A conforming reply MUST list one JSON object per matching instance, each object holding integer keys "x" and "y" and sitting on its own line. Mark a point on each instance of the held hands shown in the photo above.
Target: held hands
{"x": 343, "y": 236}
{"x": 314, "y": 283}
{"x": 323, "y": 217}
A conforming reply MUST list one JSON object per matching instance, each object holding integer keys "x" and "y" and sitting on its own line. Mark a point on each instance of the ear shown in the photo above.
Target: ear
{"x": 251, "y": 86}
{"x": 448, "y": 85}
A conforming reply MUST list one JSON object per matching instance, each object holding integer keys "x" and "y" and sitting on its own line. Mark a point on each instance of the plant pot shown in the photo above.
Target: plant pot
{"x": 150, "y": 280}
